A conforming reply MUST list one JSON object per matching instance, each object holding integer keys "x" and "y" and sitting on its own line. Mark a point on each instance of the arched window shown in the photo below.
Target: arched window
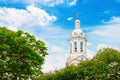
{"x": 82, "y": 58}
{"x": 75, "y": 46}
{"x": 81, "y": 33}
{"x": 75, "y": 34}
{"x": 81, "y": 46}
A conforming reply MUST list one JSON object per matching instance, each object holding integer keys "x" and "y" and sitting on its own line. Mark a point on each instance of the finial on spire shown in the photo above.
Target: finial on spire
{"x": 77, "y": 16}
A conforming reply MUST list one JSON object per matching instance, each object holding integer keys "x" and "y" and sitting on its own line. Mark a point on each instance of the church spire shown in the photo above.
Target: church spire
{"x": 77, "y": 22}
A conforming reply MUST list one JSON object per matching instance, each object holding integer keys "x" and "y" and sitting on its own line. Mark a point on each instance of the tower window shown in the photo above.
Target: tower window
{"x": 81, "y": 58}
{"x": 75, "y": 34}
{"x": 81, "y": 33}
{"x": 81, "y": 46}
{"x": 75, "y": 46}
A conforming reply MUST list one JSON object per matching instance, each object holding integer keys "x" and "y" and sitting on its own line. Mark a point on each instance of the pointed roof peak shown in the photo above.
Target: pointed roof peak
{"x": 77, "y": 22}
{"x": 77, "y": 16}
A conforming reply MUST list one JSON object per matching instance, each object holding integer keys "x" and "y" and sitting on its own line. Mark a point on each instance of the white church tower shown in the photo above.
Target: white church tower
{"x": 78, "y": 43}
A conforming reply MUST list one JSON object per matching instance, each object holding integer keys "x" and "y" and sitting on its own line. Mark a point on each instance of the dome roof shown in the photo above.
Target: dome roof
{"x": 78, "y": 33}
{"x": 77, "y": 20}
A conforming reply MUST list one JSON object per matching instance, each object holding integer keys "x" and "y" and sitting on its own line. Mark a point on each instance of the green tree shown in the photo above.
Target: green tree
{"x": 107, "y": 55}
{"x": 21, "y": 55}
{"x": 111, "y": 58}
{"x": 104, "y": 66}
{"x": 91, "y": 70}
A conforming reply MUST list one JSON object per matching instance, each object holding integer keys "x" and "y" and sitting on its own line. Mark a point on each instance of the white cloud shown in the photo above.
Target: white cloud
{"x": 31, "y": 20}
{"x": 57, "y": 49}
{"x": 109, "y": 29}
{"x": 45, "y": 2}
{"x": 114, "y": 20}
{"x": 69, "y": 18}
{"x": 89, "y": 44}
{"x": 72, "y": 2}
{"x": 51, "y": 3}
{"x": 105, "y": 35}
{"x": 90, "y": 54}
{"x": 101, "y": 46}
{"x": 53, "y": 62}
{"x": 30, "y": 17}
{"x": 54, "y": 32}
{"x": 56, "y": 58}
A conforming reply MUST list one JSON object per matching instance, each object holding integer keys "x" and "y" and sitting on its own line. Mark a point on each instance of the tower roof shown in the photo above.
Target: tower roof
{"x": 77, "y": 24}
{"x": 77, "y": 32}
{"x": 77, "y": 21}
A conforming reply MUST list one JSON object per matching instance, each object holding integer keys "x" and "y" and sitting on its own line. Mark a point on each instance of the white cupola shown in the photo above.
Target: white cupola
{"x": 77, "y": 24}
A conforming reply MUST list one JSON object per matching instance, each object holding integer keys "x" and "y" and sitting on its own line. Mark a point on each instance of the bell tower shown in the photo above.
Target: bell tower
{"x": 77, "y": 45}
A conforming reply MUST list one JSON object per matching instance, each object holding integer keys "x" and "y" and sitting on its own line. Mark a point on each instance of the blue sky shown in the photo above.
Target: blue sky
{"x": 53, "y": 20}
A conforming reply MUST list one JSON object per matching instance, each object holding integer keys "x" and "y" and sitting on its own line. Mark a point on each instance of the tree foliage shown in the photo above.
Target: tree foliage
{"x": 21, "y": 55}
{"x": 104, "y": 66}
